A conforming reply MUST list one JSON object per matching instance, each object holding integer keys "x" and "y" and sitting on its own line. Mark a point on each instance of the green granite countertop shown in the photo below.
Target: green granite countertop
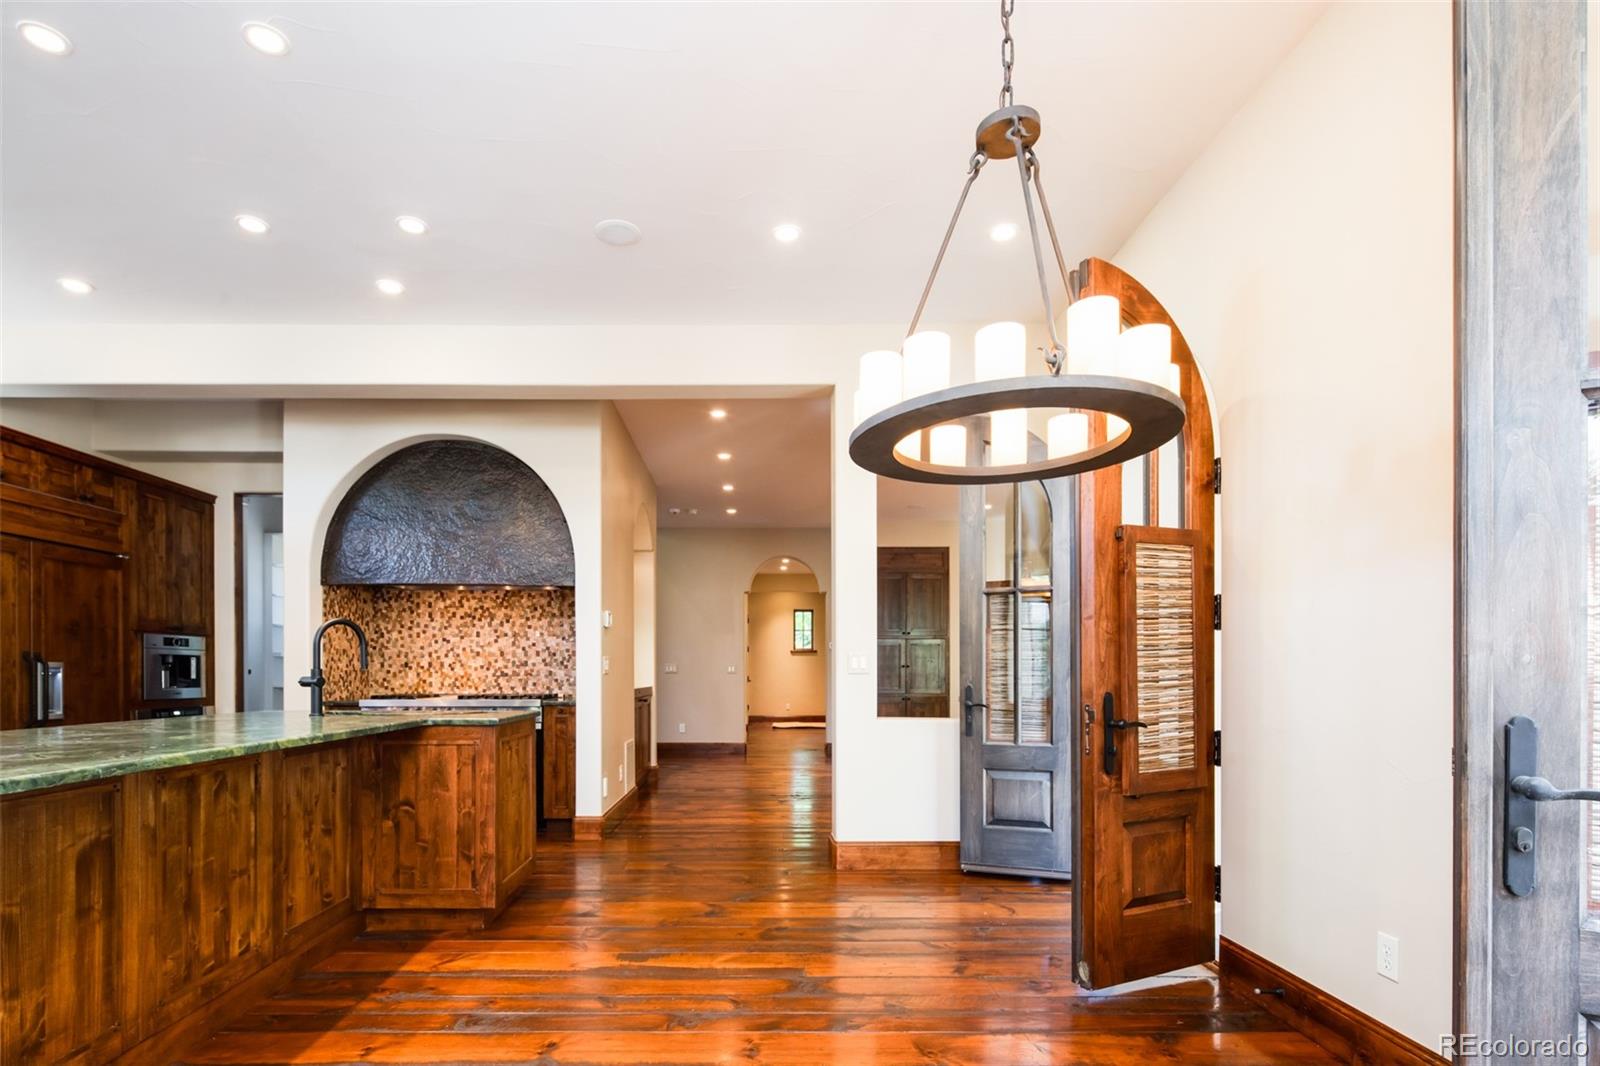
{"x": 32, "y": 759}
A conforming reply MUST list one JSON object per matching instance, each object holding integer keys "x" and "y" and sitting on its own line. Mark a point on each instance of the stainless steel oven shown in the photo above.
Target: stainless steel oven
{"x": 174, "y": 666}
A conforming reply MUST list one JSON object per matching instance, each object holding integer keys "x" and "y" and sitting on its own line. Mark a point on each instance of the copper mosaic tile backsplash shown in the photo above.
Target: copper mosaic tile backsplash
{"x": 450, "y": 640}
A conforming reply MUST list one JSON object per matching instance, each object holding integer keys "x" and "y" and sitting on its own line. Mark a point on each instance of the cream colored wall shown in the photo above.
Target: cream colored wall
{"x": 783, "y": 682}
{"x": 83, "y": 424}
{"x": 1307, "y": 257}
{"x": 626, "y": 491}
{"x": 702, "y": 577}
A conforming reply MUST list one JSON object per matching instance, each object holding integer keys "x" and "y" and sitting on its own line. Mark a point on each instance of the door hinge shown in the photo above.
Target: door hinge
{"x": 1216, "y": 611}
{"x": 1216, "y": 747}
{"x": 1216, "y": 884}
{"x": 1216, "y": 475}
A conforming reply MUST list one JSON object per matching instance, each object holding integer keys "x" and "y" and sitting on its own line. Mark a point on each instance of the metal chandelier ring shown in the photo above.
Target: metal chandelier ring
{"x": 1154, "y": 416}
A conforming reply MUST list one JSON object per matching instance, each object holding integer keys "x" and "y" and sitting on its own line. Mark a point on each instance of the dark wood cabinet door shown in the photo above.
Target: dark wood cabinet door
{"x": 79, "y": 622}
{"x": 60, "y": 955}
{"x": 152, "y": 551}
{"x": 190, "y": 553}
{"x": 891, "y": 604}
{"x": 927, "y": 610}
{"x": 16, "y": 632}
{"x": 560, "y": 762}
{"x": 927, "y": 674}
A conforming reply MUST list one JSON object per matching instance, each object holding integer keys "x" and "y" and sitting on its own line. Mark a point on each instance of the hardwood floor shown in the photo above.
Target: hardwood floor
{"x": 712, "y": 929}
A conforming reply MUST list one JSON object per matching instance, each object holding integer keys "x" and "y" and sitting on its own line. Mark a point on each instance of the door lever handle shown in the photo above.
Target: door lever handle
{"x": 968, "y": 705}
{"x": 1112, "y": 724}
{"x": 1541, "y": 790}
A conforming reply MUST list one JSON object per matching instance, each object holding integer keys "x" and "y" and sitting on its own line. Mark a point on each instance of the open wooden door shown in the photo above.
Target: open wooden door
{"x": 1143, "y": 861}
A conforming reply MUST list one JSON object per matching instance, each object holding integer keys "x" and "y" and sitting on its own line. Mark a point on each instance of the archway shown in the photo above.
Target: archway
{"x": 786, "y": 656}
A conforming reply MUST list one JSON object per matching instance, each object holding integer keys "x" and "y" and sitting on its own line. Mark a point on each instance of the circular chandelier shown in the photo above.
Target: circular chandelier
{"x": 1109, "y": 395}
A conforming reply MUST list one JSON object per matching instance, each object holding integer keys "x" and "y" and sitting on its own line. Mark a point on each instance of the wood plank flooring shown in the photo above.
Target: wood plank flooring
{"x": 712, "y": 929}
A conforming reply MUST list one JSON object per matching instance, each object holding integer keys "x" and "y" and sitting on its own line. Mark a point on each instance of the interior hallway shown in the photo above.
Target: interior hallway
{"x": 711, "y": 928}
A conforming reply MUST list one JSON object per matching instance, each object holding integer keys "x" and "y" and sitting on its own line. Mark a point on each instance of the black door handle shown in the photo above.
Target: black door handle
{"x": 1525, "y": 790}
{"x": 1112, "y": 725}
{"x": 967, "y": 706}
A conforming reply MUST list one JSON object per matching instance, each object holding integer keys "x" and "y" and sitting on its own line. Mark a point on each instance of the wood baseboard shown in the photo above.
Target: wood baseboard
{"x": 664, "y": 751}
{"x": 1345, "y": 1032}
{"x": 894, "y": 855}
{"x": 588, "y": 827}
{"x": 168, "y": 1044}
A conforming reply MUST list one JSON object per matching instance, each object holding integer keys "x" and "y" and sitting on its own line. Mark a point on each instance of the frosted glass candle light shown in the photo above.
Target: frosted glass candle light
{"x": 1093, "y": 324}
{"x": 1000, "y": 351}
{"x": 1175, "y": 379}
{"x": 1008, "y": 437}
{"x": 927, "y": 364}
{"x": 947, "y": 445}
{"x": 1144, "y": 353}
{"x": 1067, "y": 434}
{"x": 880, "y": 382}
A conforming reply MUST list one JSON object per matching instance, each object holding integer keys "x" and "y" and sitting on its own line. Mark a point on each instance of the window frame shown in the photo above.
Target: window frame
{"x": 810, "y": 631}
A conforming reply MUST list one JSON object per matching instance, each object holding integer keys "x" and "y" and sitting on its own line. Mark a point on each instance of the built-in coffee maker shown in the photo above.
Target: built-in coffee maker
{"x": 174, "y": 666}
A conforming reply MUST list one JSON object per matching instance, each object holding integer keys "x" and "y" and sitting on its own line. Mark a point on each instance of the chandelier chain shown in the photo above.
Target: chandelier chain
{"x": 1008, "y": 50}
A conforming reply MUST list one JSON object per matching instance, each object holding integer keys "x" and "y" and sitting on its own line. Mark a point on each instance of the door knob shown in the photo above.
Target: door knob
{"x": 967, "y": 706}
{"x": 1525, "y": 789}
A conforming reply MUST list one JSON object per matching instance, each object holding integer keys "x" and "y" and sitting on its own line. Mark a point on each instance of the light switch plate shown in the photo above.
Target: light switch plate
{"x": 733, "y": 669}
{"x": 605, "y": 664}
{"x": 606, "y": 619}
{"x": 670, "y": 668}
{"x": 605, "y": 787}
{"x": 858, "y": 665}
{"x": 682, "y": 728}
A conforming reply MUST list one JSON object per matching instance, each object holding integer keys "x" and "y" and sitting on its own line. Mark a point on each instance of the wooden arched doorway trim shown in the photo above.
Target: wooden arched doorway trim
{"x": 1143, "y": 848}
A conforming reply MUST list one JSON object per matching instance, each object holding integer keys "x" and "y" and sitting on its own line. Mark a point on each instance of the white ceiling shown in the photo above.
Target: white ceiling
{"x": 779, "y": 469}
{"x": 513, "y": 128}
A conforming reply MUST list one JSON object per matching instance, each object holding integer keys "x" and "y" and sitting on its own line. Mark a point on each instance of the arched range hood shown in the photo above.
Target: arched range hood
{"x": 449, "y": 512}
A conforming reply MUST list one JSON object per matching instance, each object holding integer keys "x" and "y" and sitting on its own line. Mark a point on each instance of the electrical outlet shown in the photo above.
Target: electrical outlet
{"x": 605, "y": 787}
{"x": 1389, "y": 957}
{"x": 682, "y": 727}
{"x": 788, "y": 706}
{"x": 621, "y": 777}
{"x": 733, "y": 669}
{"x": 605, "y": 664}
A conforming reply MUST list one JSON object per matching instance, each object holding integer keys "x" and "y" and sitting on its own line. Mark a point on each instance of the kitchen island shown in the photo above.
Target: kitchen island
{"x": 155, "y": 873}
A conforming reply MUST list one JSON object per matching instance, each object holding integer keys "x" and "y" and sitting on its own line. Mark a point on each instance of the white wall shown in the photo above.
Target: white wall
{"x": 702, "y": 576}
{"x": 627, "y": 492}
{"x": 1307, "y": 257}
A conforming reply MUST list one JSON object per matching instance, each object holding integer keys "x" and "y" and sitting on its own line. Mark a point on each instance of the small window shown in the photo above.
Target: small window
{"x": 803, "y": 631}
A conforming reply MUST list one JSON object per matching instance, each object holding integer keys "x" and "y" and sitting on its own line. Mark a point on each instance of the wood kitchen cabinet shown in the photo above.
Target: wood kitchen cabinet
{"x": 62, "y": 628}
{"x": 92, "y": 554}
{"x": 559, "y": 771}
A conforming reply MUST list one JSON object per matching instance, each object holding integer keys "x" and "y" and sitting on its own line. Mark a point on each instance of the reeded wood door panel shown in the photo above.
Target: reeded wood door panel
{"x": 78, "y": 617}
{"x": 59, "y": 961}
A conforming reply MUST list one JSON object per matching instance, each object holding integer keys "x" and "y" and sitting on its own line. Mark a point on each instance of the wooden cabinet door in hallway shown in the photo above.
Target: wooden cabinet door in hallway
{"x": 913, "y": 632}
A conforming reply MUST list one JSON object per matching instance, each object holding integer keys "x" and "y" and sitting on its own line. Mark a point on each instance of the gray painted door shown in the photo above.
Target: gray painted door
{"x": 1017, "y": 631}
{"x": 1526, "y": 958}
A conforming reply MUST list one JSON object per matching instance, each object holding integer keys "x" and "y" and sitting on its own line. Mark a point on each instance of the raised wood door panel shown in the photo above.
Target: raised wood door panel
{"x": 313, "y": 854}
{"x": 199, "y": 858}
{"x": 1144, "y": 847}
{"x": 892, "y": 604}
{"x": 155, "y": 596}
{"x": 643, "y": 732}
{"x": 192, "y": 561}
{"x": 60, "y": 961}
{"x": 560, "y": 780}
{"x": 427, "y": 819}
{"x": 927, "y": 604}
{"x": 16, "y": 632}
{"x": 56, "y": 475}
{"x": 927, "y": 677}
{"x": 79, "y": 622}
{"x": 515, "y": 804}
{"x": 41, "y": 516}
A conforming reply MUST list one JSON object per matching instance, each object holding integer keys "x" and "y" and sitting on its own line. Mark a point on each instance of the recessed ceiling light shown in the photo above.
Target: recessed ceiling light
{"x": 390, "y": 287}
{"x": 718, "y": 414}
{"x": 268, "y": 40}
{"x": 1003, "y": 231}
{"x": 733, "y": 510}
{"x": 46, "y": 39}
{"x": 76, "y": 286}
{"x": 253, "y": 224}
{"x": 411, "y": 224}
{"x": 727, "y": 488}
{"x": 618, "y": 232}
{"x": 724, "y": 456}
{"x": 786, "y": 232}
